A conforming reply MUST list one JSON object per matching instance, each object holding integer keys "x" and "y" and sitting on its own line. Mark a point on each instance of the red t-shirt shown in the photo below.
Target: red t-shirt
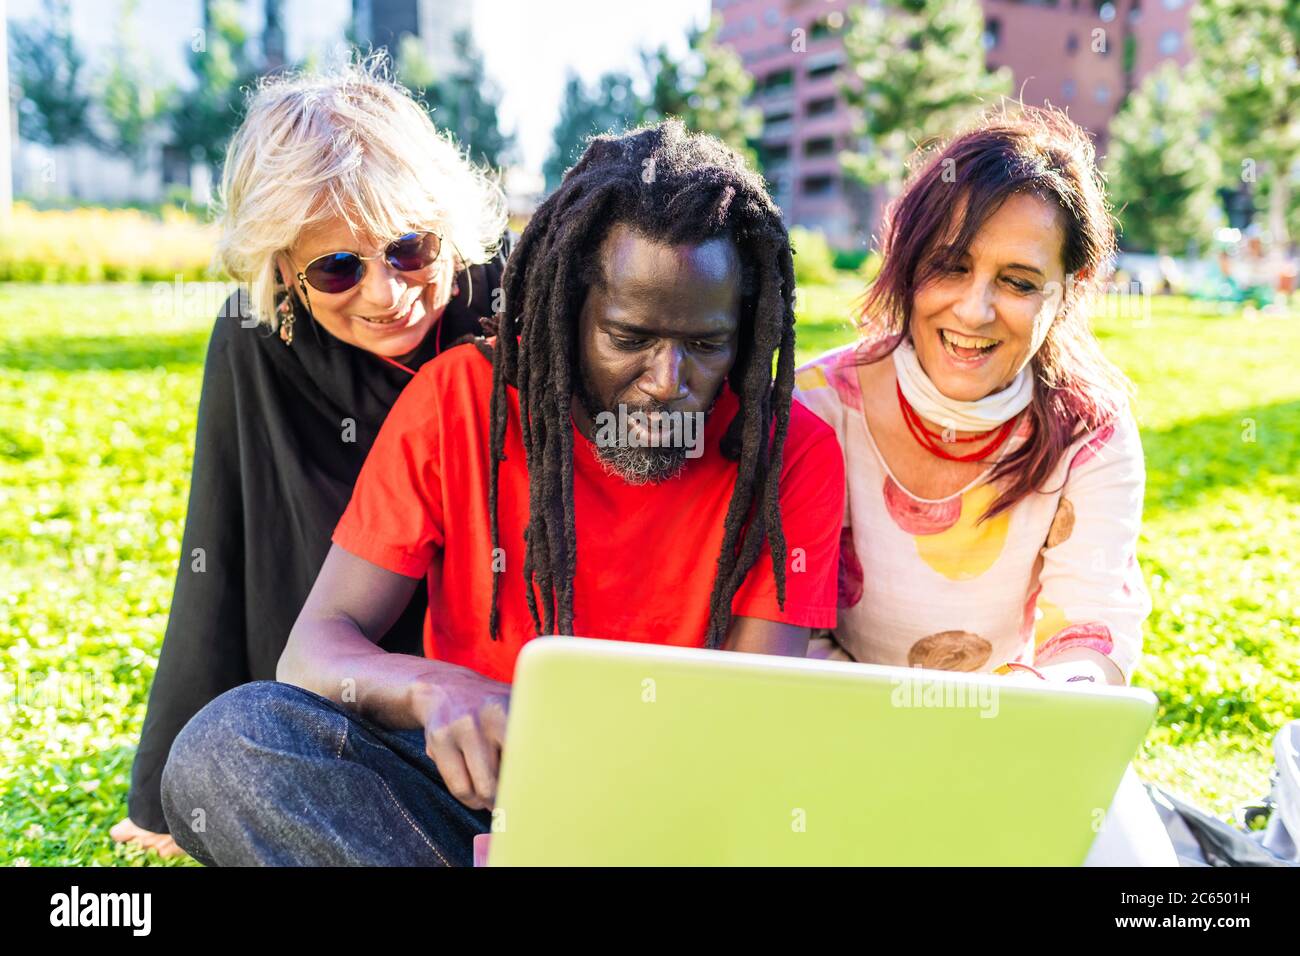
{"x": 646, "y": 554}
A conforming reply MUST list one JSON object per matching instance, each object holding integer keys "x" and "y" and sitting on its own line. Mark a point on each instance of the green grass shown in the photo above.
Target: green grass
{"x": 98, "y": 392}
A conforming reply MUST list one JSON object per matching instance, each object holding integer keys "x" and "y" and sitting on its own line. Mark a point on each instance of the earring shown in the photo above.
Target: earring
{"x": 285, "y": 311}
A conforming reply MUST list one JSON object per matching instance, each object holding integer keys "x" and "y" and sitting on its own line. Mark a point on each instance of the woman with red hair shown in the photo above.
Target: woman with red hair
{"x": 994, "y": 471}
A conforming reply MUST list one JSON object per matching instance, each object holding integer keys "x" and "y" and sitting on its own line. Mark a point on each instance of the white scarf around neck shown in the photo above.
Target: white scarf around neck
{"x": 977, "y": 416}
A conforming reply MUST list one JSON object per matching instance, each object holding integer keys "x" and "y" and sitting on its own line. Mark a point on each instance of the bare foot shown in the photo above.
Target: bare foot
{"x": 161, "y": 843}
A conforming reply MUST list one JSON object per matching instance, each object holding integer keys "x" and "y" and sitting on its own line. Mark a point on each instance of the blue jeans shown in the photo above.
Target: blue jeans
{"x": 269, "y": 774}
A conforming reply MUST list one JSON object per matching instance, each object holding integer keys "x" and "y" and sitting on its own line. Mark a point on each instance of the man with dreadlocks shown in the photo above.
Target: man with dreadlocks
{"x": 622, "y": 461}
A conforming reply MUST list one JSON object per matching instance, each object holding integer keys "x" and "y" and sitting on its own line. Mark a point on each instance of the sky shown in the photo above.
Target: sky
{"x": 529, "y": 44}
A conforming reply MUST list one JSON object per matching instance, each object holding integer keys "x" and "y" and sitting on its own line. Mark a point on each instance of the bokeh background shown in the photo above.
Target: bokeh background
{"x": 115, "y": 126}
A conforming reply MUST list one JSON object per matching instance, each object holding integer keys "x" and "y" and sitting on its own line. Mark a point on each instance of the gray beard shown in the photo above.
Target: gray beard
{"x": 634, "y": 464}
{"x": 641, "y": 466}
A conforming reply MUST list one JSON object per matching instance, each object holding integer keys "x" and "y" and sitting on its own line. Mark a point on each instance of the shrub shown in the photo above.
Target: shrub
{"x": 104, "y": 245}
{"x": 869, "y": 268}
{"x": 848, "y": 260}
{"x": 813, "y": 260}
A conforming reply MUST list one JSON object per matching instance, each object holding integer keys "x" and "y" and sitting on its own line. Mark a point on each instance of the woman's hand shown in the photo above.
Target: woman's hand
{"x": 125, "y": 831}
{"x": 1082, "y": 664}
{"x": 1082, "y": 670}
{"x": 1077, "y": 665}
{"x": 464, "y": 718}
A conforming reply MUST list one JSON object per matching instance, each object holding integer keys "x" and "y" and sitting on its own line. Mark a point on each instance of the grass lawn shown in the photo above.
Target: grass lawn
{"x": 98, "y": 393}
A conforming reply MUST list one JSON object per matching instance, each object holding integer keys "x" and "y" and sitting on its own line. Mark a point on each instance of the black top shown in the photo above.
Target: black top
{"x": 282, "y": 434}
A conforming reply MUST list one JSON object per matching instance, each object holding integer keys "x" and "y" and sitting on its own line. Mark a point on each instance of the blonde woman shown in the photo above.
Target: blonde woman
{"x": 364, "y": 244}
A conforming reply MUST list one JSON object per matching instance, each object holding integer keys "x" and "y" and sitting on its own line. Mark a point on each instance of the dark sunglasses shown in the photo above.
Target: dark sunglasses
{"x": 337, "y": 272}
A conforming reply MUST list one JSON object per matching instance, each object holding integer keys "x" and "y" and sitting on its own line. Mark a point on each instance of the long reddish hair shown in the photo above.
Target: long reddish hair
{"x": 955, "y": 188}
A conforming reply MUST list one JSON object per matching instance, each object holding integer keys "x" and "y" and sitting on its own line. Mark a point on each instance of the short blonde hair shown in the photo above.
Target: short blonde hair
{"x": 349, "y": 143}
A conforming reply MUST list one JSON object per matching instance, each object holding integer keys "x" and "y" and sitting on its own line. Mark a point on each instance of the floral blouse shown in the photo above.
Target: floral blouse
{"x": 922, "y": 584}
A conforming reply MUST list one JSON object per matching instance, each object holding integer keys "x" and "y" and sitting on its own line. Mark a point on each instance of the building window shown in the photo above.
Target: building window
{"x": 820, "y": 107}
{"x": 772, "y": 17}
{"x": 1102, "y": 93}
{"x": 175, "y": 166}
{"x": 779, "y": 81}
{"x": 273, "y": 33}
{"x": 823, "y": 71}
{"x": 1105, "y": 10}
{"x": 818, "y": 185}
{"x": 775, "y": 153}
{"x": 1068, "y": 90}
{"x": 1072, "y": 44}
{"x": 821, "y": 146}
{"x": 1170, "y": 42}
{"x": 777, "y": 117}
{"x": 1173, "y": 4}
{"x": 992, "y": 33}
{"x": 826, "y": 26}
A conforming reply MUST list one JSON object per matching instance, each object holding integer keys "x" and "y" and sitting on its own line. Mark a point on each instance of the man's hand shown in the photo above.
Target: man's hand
{"x": 464, "y": 719}
{"x": 334, "y": 645}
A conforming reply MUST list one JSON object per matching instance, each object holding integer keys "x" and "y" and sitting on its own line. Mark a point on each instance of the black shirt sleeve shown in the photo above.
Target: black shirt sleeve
{"x": 203, "y": 652}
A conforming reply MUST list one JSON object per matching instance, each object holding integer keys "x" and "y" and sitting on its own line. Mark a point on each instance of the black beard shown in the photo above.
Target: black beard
{"x": 634, "y": 464}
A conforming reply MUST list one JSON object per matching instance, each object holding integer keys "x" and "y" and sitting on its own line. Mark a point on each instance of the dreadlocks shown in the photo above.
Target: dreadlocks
{"x": 673, "y": 187}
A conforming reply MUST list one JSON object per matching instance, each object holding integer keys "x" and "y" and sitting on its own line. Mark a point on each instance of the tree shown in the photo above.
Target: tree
{"x": 1163, "y": 169}
{"x": 706, "y": 90}
{"x": 54, "y": 107}
{"x": 132, "y": 104}
{"x": 612, "y": 105}
{"x": 471, "y": 102}
{"x": 915, "y": 70}
{"x": 415, "y": 71}
{"x": 1247, "y": 53}
{"x": 465, "y": 102}
{"x": 205, "y": 117}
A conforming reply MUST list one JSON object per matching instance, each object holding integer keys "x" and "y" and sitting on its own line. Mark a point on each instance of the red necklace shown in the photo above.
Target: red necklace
{"x": 934, "y": 443}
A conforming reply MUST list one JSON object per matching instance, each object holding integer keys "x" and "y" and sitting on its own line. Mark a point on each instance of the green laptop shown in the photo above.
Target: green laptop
{"x": 635, "y": 754}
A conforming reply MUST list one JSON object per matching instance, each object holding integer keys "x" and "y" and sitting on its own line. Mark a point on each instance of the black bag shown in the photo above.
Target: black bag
{"x": 1203, "y": 840}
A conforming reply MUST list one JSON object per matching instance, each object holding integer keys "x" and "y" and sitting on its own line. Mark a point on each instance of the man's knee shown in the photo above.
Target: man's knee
{"x": 217, "y": 756}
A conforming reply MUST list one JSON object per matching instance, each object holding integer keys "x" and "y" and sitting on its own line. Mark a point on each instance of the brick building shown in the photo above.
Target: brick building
{"x": 1082, "y": 56}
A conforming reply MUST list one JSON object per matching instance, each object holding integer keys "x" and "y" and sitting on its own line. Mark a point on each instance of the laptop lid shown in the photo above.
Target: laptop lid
{"x": 635, "y": 754}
